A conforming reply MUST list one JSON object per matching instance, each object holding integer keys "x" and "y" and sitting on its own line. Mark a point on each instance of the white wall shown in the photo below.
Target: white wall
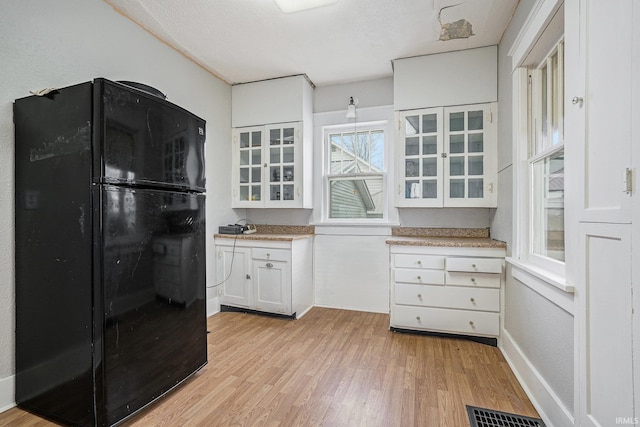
{"x": 63, "y": 42}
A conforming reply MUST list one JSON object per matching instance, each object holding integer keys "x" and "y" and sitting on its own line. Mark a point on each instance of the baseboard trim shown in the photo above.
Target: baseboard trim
{"x": 551, "y": 409}
{"x": 7, "y": 393}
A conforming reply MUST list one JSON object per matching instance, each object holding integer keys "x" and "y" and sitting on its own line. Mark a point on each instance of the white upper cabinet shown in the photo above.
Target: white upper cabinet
{"x": 272, "y": 143}
{"x": 452, "y": 78}
{"x": 446, "y": 150}
{"x": 447, "y": 157}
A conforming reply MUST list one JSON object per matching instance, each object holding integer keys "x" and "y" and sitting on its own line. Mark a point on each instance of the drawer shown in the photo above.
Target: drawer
{"x": 481, "y": 265}
{"x": 481, "y": 280}
{"x": 271, "y": 254}
{"x": 483, "y": 299}
{"x": 419, "y": 261}
{"x": 445, "y": 320}
{"x": 413, "y": 275}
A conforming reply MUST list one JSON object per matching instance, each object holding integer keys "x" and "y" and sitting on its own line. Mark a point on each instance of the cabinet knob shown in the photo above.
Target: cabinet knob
{"x": 419, "y": 262}
{"x": 269, "y": 265}
{"x": 418, "y": 318}
{"x": 419, "y": 296}
{"x": 473, "y": 265}
{"x": 473, "y": 300}
{"x": 471, "y": 323}
{"x": 419, "y": 278}
{"x": 248, "y": 277}
{"x": 268, "y": 255}
{"x": 577, "y": 100}
{"x": 473, "y": 280}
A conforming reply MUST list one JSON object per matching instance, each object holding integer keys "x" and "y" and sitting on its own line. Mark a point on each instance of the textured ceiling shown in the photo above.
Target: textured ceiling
{"x": 351, "y": 40}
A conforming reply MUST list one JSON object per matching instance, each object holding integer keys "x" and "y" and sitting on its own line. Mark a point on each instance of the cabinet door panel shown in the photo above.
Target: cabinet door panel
{"x": 272, "y": 286}
{"x": 233, "y": 271}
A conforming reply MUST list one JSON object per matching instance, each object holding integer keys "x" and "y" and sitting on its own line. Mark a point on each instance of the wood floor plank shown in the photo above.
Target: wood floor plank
{"x": 330, "y": 368}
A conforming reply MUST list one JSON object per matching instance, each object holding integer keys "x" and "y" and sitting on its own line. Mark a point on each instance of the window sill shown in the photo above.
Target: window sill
{"x": 543, "y": 275}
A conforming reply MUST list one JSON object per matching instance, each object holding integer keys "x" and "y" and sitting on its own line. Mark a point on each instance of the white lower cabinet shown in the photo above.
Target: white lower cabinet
{"x": 446, "y": 289}
{"x": 272, "y": 276}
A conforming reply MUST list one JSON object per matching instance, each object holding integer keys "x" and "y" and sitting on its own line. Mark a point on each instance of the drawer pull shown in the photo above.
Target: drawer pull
{"x": 472, "y": 265}
{"x": 419, "y": 296}
{"x": 419, "y": 262}
{"x": 419, "y": 278}
{"x": 418, "y": 318}
{"x": 473, "y": 300}
{"x": 471, "y": 323}
{"x": 473, "y": 280}
{"x": 269, "y": 256}
{"x": 269, "y": 265}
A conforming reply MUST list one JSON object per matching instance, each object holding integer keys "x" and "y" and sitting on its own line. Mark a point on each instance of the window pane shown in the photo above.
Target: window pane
{"x": 476, "y": 165}
{"x": 456, "y": 122}
{"x": 244, "y": 139}
{"x": 411, "y": 146}
{"x": 476, "y": 120}
{"x": 377, "y": 151}
{"x": 429, "y": 189}
{"x": 476, "y": 143}
{"x": 274, "y": 193}
{"x": 287, "y": 155}
{"x": 411, "y": 125}
{"x": 274, "y": 156}
{"x": 256, "y": 174}
{"x": 548, "y": 206}
{"x": 411, "y": 168}
{"x": 287, "y": 136}
{"x": 476, "y": 188}
{"x": 429, "y": 123}
{"x": 356, "y": 197}
{"x": 411, "y": 190}
{"x": 244, "y": 157}
{"x": 275, "y": 174}
{"x": 288, "y": 192}
{"x": 456, "y": 144}
{"x": 256, "y": 139}
{"x": 456, "y": 188}
{"x": 429, "y": 144}
{"x": 274, "y": 138}
{"x": 287, "y": 173}
{"x": 456, "y": 166}
{"x": 429, "y": 167}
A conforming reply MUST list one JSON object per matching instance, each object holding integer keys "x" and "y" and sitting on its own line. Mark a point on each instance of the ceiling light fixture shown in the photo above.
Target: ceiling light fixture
{"x": 290, "y": 6}
{"x": 351, "y": 108}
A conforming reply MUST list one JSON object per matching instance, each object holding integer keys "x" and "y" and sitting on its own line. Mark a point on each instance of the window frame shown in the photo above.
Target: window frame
{"x": 327, "y": 177}
{"x": 549, "y": 270}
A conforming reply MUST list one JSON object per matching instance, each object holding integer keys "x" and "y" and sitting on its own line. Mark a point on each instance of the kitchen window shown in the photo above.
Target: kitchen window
{"x": 355, "y": 172}
{"x": 546, "y": 162}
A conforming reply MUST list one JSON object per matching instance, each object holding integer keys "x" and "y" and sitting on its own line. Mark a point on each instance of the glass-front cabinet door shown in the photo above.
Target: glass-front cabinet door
{"x": 446, "y": 157}
{"x": 470, "y": 165}
{"x": 266, "y": 164}
{"x": 419, "y": 174}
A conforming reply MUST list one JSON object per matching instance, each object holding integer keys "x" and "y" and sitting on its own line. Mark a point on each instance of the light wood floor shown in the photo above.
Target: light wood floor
{"x": 330, "y": 368}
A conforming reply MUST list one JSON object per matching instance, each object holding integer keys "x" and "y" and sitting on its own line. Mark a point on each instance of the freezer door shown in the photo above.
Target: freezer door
{"x": 154, "y": 292}
{"x": 145, "y": 140}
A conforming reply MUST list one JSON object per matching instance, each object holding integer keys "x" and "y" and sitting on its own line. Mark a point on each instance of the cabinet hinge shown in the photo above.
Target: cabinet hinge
{"x": 628, "y": 181}
{"x": 490, "y": 117}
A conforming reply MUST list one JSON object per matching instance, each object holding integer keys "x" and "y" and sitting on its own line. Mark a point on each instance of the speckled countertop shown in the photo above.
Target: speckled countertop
{"x": 282, "y": 233}
{"x": 444, "y": 237}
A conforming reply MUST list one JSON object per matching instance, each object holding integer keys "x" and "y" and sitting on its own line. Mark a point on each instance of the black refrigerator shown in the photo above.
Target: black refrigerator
{"x": 109, "y": 250}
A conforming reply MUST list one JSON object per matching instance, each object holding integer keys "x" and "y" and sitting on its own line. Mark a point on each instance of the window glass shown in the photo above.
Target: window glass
{"x": 356, "y": 171}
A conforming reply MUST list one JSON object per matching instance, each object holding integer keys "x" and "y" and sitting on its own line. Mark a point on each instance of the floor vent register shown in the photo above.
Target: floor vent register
{"x": 481, "y": 417}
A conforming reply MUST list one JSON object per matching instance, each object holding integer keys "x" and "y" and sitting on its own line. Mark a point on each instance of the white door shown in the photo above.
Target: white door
{"x": 603, "y": 105}
{"x": 604, "y": 319}
{"x": 272, "y": 292}
{"x": 233, "y": 271}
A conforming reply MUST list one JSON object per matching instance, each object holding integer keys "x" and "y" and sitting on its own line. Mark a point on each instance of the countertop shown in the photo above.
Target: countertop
{"x": 278, "y": 233}
{"x": 444, "y": 237}
{"x": 264, "y": 236}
